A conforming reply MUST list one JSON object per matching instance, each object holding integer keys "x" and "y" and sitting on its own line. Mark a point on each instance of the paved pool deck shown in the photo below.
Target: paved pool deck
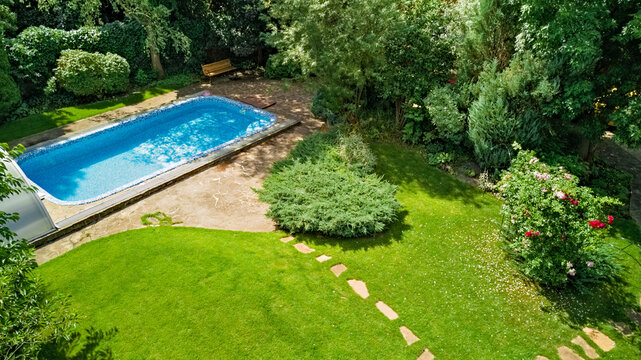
{"x": 219, "y": 197}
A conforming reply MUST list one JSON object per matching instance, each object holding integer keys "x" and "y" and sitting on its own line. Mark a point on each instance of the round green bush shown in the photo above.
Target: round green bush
{"x": 316, "y": 197}
{"x": 555, "y": 228}
{"x": 86, "y": 74}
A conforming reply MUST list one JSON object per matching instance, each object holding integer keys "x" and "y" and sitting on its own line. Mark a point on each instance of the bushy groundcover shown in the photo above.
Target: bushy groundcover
{"x": 327, "y": 185}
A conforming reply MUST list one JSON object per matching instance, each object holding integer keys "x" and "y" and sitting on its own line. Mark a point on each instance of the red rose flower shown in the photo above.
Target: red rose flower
{"x": 528, "y": 234}
{"x": 610, "y": 219}
{"x": 536, "y": 233}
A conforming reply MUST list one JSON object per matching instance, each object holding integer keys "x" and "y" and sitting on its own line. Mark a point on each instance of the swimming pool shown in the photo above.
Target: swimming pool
{"x": 102, "y": 162}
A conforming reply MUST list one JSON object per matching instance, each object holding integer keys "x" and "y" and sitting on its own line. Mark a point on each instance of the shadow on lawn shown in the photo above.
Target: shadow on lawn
{"x": 408, "y": 168}
{"x": 393, "y": 234}
{"x": 81, "y": 347}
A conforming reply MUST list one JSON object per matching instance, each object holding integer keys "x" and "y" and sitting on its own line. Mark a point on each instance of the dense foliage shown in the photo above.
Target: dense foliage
{"x": 29, "y": 317}
{"x": 35, "y": 51}
{"x": 327, "y": 185}
{"x": 554, "y": 227}
{"x": 9, "y": 92}
{"x": 83, "y": 73}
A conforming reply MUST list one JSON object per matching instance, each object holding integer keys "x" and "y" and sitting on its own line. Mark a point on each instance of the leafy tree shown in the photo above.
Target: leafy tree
{"x": 418, "y": 54}
{"x": 338, "y": 41}
{"x": 29, "y": 317}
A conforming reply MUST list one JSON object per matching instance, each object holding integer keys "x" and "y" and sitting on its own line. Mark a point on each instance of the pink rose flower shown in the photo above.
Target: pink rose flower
{"x": 590, "y": 263}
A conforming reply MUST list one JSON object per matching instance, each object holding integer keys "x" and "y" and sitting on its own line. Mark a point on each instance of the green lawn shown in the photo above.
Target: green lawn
{"x": 34, "y": 124}
{"x": 192, "y": 293}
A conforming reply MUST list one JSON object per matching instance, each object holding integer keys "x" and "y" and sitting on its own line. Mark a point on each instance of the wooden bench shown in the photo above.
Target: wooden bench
{"x": 217, "y": 68}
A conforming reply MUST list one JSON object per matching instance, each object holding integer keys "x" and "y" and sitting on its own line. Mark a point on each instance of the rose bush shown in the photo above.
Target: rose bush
{"x": 554, "y": 227}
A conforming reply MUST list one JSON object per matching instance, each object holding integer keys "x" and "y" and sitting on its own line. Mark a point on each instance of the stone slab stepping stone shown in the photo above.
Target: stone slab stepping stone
{"x": 338, "y": 269}
{"x": 565, "y": 353}
{"x": 541, "y": 358}
{"x": 408, "y": 335}
{"x": 304, "y": 248}
{"x": 323, "y": 258}
{"x": 386, "y": 310}
{"x": 359, "y": 287}
{"x": 599, "y": 338}
{"x": 425, "y": 355}
{"x": 587, "y": 349}
{"x": 287, "y": 239}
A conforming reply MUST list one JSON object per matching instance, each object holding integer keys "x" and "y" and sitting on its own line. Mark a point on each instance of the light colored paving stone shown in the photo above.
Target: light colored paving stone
{"x": 425, "y": 355}
{"x": 587, "y": 349}
{"x": 359, "y": 287}
{"x": 287, "y": 239}
{"x": 565, "y": 353}
{"x": 541, "y": 358}
{"x": 304, "y": 248}
{"x": 338, "y": 269}
{"x": 386, "y": 310}
{"x": 323, "y": 258}
{"x": 408, "y": 335}
{"x": 599, "y": 338}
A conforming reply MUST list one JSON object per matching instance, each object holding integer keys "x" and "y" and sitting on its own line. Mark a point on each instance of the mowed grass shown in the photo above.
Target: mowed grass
{"x": 36, "y": 123}
{"x": 190, "y": 293}
{"x": 444, "y": 270}
{"x": 185, "y": 293}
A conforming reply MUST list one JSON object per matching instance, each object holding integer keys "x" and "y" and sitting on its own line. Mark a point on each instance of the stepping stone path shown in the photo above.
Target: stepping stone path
{"x": 304, "y": 248}
{"x": 359, "y": 287}
{"x": 587, "y": 349}
{"x": 338, "y": 269}
{"x": 425, "y": 355}
{"x": 386, "y": 310}
{"x": 408, "y": 335}
{"x": 287, "y": 239}
{"x": 599, "y": 338}
{"x": 541, "y": 358}
{"x": 565, "y": 353}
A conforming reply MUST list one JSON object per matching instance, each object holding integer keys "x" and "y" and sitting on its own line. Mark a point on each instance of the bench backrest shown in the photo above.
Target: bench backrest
{"x": 217, "y": 66}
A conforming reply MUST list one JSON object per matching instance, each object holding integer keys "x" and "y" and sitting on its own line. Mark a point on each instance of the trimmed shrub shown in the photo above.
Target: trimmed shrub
{"x": 554, "y": 227}
{"x": 315, "y": 197}
{"x": 327, "y": 185}
{"x": 34, "y": 52}
{"x": 276, "y": 69}
{"x": 85, "y": 74}
{"x": 126, "y": 39}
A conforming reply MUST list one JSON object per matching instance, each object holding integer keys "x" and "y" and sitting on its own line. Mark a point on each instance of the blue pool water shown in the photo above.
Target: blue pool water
{"x": 100, "y": 163}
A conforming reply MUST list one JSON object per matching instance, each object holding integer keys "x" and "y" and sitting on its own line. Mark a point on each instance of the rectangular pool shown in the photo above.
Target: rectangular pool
{"x": 100, "y": 163}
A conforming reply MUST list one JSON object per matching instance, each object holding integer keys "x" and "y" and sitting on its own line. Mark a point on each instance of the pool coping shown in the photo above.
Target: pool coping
{"x": 155, "y": 184}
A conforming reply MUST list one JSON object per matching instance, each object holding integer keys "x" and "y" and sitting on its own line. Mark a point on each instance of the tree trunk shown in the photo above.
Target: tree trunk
{"x": 156, "y": 64}
{"x": 398, "y": 104}
{"x": 592, "y": 146}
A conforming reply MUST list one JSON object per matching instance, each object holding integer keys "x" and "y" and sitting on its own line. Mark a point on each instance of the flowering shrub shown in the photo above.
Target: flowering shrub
{"x": 554, "y": 227}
